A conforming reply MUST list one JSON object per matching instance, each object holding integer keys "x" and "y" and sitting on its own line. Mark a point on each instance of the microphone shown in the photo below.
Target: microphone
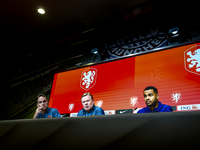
{"x": 84, "y": 113}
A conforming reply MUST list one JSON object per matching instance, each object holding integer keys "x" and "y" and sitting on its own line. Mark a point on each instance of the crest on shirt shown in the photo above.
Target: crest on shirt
{"x": 176, "y": 97}
{"x": 192, "y": 60}
{"x": 133, "y": 101}
{"x": 71, "y": 107}
{"x": 88, "y": 78}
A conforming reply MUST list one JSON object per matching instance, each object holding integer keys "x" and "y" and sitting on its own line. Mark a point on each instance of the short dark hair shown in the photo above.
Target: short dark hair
{"x": 40, "y": 95}
{"x": 85, "y": 94}
{"x": 151, "y": 87}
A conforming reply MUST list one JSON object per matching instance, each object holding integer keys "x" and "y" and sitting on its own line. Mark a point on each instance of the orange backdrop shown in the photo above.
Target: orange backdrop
{"x": 117, "y": 81}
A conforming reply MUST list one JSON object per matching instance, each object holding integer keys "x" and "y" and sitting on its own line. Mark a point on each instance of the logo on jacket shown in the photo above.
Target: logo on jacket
{"x": 133, "y": 101}
{"x": 192, "y": 60}
{"x": 88, "y": 78}
{"x": 49, "y": 116}
{"x": 176, "y": 97}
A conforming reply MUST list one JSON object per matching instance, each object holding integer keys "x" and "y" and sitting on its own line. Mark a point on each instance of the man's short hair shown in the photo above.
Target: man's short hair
{"x": 87, "y": 93}
{"x": 151, "y": 87}
{"x": 40, "y": 95}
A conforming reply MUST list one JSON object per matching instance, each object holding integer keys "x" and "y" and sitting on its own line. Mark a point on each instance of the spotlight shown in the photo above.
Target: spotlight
{"x": 174, "y": 31}
{"x": 41, "y": 11}
{"x": 94, "y": 51}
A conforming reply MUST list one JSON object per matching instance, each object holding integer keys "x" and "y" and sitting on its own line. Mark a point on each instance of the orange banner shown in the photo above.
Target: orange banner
{"x": 119, "y": 84}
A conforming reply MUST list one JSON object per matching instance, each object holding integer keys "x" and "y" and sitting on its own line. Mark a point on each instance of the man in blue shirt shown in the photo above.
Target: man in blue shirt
{"x": 151, "y": 99}
{"x": 89, "y": 109}
{"x": 43, "y": 111}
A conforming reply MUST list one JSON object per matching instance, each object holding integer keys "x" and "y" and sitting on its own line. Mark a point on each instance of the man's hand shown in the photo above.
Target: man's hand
{"x": 38, "y": 110}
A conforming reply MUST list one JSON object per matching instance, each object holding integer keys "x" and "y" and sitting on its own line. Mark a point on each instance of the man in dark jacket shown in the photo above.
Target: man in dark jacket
{"x": 151, "y": 99}
{"x": 89, "y": 109}
{"x": 43, "y": 111}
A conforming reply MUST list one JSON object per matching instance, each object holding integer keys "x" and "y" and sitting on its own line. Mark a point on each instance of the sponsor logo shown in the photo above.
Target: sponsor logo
{"x": 71, "y": 107}
{"x": 176, "y": 97}
{"x": 124, "y": 111}
{"x": 133, "y": 101}
{"x": 73, "y": 114}
{"x": 88, "y": 78}
{"x": 188, "y": 107}
{"x": 192, "y": 60}
{"x": 99, "y": 103}
{"x": 109, "y": 112}
{"x": 49, "y": 116}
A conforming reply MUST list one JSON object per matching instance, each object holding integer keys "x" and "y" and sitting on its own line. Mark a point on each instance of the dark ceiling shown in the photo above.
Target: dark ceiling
{"x": 21, "y": 17}
{"x": 29, "y": 39}
{"x": 24, "y": 31}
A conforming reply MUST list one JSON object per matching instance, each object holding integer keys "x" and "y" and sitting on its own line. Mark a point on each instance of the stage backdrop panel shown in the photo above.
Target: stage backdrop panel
{"x": 119, "y": 84}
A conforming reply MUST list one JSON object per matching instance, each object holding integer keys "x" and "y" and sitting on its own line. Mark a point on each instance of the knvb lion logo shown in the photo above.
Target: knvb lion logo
{"x": 133, "y": 101}
{"x": 192, "y": 60}
{"x": 71, "y": 107}
{"x": 176, "y": 97}
{"x": 88, "y": 78}
{"x": 99, "y": 103}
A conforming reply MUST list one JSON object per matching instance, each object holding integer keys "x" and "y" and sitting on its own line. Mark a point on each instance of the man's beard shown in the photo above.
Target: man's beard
{"x": 153, "y": 104}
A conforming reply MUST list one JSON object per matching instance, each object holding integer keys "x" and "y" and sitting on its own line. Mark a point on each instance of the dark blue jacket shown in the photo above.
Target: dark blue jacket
{"x": 95, "y": 110}
{"x": 161, "y": 108}
{"x": 49, "y": 113}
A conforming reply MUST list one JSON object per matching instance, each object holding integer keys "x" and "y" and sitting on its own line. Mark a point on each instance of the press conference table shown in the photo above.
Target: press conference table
{"x": 175, "y": 130}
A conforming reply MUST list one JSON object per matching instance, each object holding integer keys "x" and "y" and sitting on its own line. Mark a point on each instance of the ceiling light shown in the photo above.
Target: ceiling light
{"x": 41, "y": 11}
{"x": 174, "y": 30}
{"x": 94, "y": 51}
